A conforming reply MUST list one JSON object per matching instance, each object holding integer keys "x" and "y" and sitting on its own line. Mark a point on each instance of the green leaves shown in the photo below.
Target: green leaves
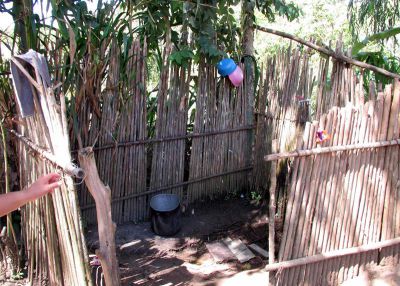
{"x": 272, "y": 7}
{"x": 182, "y": 58}
{"x": 373, "y": 16}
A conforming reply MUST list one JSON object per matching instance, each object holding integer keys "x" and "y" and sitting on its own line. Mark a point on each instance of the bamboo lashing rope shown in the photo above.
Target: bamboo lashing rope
{"x": 324, "y": 150}
{"x": 332, "y": 254}
{"x": 67, "y": 167}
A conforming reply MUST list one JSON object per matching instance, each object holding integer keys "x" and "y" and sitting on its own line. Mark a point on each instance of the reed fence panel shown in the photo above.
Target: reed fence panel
{"x": 51, "y": 226}
{"x": 211, "y": 161}
{"x": 168, "y": 161}
{"x": 219, "y": 107}
{"x": 344, "y": 199}
{"x": 123, "y": 118}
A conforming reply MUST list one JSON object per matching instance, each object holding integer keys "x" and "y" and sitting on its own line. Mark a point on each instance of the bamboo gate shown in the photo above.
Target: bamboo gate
{"x": 345, "y": 193}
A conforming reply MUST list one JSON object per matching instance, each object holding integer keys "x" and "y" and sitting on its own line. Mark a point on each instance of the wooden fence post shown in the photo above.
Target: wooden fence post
{"x": 272, "y": 210}
{"x": 106, "y": 227}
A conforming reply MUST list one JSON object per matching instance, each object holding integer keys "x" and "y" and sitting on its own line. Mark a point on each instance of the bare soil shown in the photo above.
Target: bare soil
{"x": 148, "y": 259}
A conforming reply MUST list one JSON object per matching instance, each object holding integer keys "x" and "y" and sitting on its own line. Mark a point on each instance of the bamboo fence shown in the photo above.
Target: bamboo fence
{"x": 209, "y": 162}
{"x": 345, "y": 199}
{"x": 51, "y": 226}
{"x": 168, "y": 160}
{"x": 226, "y": 143}
{"x": 224, "y": 109}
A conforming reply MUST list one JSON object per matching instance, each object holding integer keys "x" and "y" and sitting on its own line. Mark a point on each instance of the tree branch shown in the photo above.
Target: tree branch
{"x": 329, "y": 52}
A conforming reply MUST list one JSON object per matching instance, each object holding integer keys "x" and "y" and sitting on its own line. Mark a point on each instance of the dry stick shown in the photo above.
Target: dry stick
{"x": 336, "y": 215}
{"x": 272, "y": 208}
{"x": 327, "y": 195}
{"x": 346, "y": 228}
{"x": 341, "y": 228}
{"x": 323, "y": 150}
{"x": 317, "y": 212}
{"x": 293, "y": 274}
{"x": 393, "y": 181}
{"x": 291, "y": 201}
{"x": 332, "y": 254}
{"x": 143, "y": 134}
{"x": 68, "y": 168}
{"x": 383, "y": 136}
{"x": 305, "y": 208}
{"x": 386, "y": 219}
{"x": 329, "y": 52}
{"x": 296, "y": 203}
{"x": 327, "y": 239}
{"x": 378, "y": 119}
{"x": 332, "y": 117}
{"x": 135, "y": 205}
{"x": 368, "y": 218}
{"x": 102, "y": 197}
{"x": 357, "y": 194}
{"x": 358, "y": 188}
{"x": 308, "y": 212}
{"x": 364, "y": 226}
{"x": 323, "y": 192}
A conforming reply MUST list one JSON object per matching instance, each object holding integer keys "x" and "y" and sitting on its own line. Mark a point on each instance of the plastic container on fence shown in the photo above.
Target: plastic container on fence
{"x": 226, "y": 67}
{"x": 236, "y": 77}
{"x": 165, "y": 214}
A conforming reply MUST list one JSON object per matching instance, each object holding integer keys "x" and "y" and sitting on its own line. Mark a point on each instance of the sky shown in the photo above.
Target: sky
{"x": 7, "y": 23}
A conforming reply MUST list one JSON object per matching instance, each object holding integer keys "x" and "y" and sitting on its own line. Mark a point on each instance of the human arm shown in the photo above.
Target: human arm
{"x": 13, "y": 200}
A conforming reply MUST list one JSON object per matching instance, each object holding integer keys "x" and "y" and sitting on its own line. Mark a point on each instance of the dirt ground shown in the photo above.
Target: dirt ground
{"x": 148, "y": 259}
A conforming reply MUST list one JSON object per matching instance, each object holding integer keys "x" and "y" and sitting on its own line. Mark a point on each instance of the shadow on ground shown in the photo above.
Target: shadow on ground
{"x": 148, "y": 259}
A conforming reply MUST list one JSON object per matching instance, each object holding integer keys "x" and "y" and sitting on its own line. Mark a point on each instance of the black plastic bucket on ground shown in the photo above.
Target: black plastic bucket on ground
{"x": 165, "y": 214}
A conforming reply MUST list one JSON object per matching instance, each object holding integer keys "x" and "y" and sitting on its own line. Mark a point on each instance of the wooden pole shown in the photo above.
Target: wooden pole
{"x": 323, "y": 150}
{"x": 271, "y": 220}
{"x": 106, "y": 227}
{"x": 68, "y": 167}
{"x": 329, "y": 52}
{"x": 331, "y": 254}
{"x": 272, "y": 207}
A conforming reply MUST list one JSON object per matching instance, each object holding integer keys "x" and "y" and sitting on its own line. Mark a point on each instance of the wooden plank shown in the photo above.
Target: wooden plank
{"x": 220, "y": 251}
{"x": 239, "y": 249}
{"x": 259, "y": 250}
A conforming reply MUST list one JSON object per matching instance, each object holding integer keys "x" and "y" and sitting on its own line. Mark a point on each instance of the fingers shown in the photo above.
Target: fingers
{"x": 52, "y": 186}
{"x": 51, "y": 178}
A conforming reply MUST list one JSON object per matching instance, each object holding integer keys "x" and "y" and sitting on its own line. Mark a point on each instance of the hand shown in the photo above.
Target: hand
{"x": 45, "y": 184}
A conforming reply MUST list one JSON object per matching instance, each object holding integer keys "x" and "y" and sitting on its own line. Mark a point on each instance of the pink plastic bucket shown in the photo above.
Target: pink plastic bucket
{"x": 236, "y": 77}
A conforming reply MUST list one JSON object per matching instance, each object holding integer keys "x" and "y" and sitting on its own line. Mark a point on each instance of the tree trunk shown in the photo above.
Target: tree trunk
{"x": 248, "y": 56}
{"x": 106, "y": 227}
